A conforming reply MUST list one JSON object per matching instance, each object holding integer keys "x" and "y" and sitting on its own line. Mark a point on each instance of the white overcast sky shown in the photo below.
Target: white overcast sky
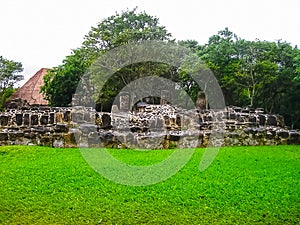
{"x": 40, "y": 33}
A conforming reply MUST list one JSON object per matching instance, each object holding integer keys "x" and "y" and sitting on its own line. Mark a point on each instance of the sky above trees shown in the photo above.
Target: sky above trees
{"x": 41, "y": 33}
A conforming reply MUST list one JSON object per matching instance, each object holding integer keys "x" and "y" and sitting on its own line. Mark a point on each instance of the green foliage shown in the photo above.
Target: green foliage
{"x": 120, "y": 29}
{"x": 114, "y": 31}
{"x": 244, "y": 185}
{"x": 9, "y": 76}
{"x": 5, "y": 96}
{"x": 61, "y": 82}
{"x": 126, "y": 75}
{"x": 9, "y": 73}
{"x": 281, "y": 96}
{"x": 254, "y": 73}
{"x": 251, "y": 73}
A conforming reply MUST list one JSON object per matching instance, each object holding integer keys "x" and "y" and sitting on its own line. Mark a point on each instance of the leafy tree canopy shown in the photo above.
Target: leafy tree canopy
{"x": 9, "y": 76}
{"x": 116, "y": 30}
{"x": 255, "y": 73}
{"x": 9, "y": 73}
{"x": 251, "y": 73}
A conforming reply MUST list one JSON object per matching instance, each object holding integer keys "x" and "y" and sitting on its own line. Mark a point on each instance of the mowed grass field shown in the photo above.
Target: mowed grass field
{"x": 244, "y": 185}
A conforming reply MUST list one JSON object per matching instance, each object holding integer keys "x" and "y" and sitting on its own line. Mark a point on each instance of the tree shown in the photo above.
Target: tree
{"x": 283, "y": 95}
{"x": 9, "y": 75}
{"x": 60, "y": 83}
{"x": 114, "y": 31}
{"x": 243, "y": 68}
{"x": 254, "y": 69}
{"x": 221, "y": 57}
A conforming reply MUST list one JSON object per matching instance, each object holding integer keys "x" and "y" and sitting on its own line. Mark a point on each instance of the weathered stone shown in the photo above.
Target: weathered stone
{"x": 200, "y": 120}
{"x": 34, "y": 119}
{"x": 93, "y": 138}
{"x": 280, "y": 121}
{"x": 30, "y": 135}
{"x": 26, "y": 119}
{"x": 51, "y": 119}
{"x": 233, "y": 135}
{"x": 19, "y": 119}
{"x": 59, "y": 117}
{"x": 49, "y": 129}
{"x": 172, "y": 121}
{"x": 272, "y": 121}
{"x": 271, "y": 134}
{"x": 130, "y": 140}
{"x": 15, "y": 135}
{"x": 124, "y": 101}
{"x": 167, "y": 120}
{"x": 209, "y": 118}
{"x": 67, "y": 116}
{"x": 106, "y": 121}
{"x": 203, "y": 126}
{"x": 46, "y": 141}
{"x": 240, "y": 118}
{"x": 98, "y": 120}
{"x": 72, "y": 138}
{"x": 44, "y": 120}
{"x": 114, "y": 109}
{"x": 135, "y": 129}
{"x": 152, "y": 124}
{"x": 13, "y": 105}
{"x": 147, "y": 128}
{"x": 294, "y": 134}
{"x": 261, "y": 130}
{"x": 252, "y": 119}
{"x": 237, "y": 109}
{"x": 58, "y": 143}
{"x": 4, "y": 120}
{"x": 61, "y": 128}
{"x": 87, "y": 117}
{"x": 201, "y": 101}
{"x": 250, "y": 130}
{"x": 3, "y": 136}
{"x": 106, "y": 138}
{"x": 39, "y": 129}
{"x": 165, "y": 97}
{"x": 251, "y": 110}
{"x": 283, "y": 134}
{"x": 77, "y": 117}
{"x": 232, "y": 116}
{"x": 159, "y": 123}
{"x": 262, "y": 120}
{"x": 259, "y": 111}
{"x": 294, "y": 138}
{"x": 87, "y": 128}
{"x": 44, "y": 108}
{"x": 174, "y": 137}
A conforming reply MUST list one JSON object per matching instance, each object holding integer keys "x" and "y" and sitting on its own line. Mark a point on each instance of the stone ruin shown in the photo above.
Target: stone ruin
{"x": 150, "y": 126}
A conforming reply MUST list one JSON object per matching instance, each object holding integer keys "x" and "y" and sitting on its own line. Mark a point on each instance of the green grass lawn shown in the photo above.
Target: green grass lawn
{"x": 244, "y": 185}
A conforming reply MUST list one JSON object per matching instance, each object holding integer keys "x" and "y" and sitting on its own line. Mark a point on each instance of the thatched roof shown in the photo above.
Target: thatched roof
{"x": 30, "y": 91}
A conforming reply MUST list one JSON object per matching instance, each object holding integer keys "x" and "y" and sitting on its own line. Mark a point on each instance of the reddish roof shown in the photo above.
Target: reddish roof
{"x": 30, "y": 91}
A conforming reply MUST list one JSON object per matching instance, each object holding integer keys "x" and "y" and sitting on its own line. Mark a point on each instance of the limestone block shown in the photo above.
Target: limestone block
{"x": 4, "y": 120}
{"x": 34, "y": 119}
{"x": 61, "y": 128}
{"x": 19, "y": 119}
{"x": 44, "y": 119}
{"x": 272, "y": 120}
{"x": 3, "y": 136}
{"x": 26, "y": 119}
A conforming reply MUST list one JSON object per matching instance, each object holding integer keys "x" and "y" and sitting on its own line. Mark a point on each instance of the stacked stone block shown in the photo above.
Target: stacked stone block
{"x": 165, "y": 125}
